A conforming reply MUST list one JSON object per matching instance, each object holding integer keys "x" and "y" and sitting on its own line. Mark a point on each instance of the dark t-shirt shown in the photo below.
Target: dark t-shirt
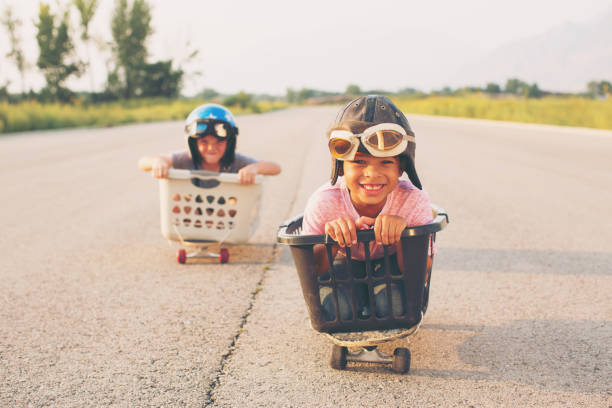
{"x": 182, "y": 160}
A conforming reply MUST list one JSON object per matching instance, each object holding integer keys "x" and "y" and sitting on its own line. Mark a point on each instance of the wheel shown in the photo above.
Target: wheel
{"x": 181, "y": 256}
{"x": 401, "y": 360}
{"x": 338, "y": 357}
{"x": 223, "y": 255}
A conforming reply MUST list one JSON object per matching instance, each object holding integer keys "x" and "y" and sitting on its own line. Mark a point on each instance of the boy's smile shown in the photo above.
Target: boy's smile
{"x": 212, "y": 150}
{"x": 369, "y": 180}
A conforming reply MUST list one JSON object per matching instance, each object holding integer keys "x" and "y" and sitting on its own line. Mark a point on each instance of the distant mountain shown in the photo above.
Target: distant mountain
{"x": 562, "y": 59}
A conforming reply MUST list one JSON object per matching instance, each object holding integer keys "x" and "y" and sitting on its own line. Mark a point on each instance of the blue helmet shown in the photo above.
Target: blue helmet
{"x": 215, "y": 120}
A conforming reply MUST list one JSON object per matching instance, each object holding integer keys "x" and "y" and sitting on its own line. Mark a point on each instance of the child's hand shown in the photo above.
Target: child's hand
{"x": 246, "y": 175}
{"x": 388, "y": 229}
{"x": 159, "y": 168}
{"x": 343, "y": 231}
{"x": 365, "y": 222}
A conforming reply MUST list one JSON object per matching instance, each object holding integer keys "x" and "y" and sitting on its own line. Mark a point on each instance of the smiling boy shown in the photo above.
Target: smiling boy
{"x": 372, "y": 145}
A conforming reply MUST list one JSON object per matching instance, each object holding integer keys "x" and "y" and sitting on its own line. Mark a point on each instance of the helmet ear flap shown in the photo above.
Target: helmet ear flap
{"x": 337, "y": 170}
{"x": 407, "y": 165}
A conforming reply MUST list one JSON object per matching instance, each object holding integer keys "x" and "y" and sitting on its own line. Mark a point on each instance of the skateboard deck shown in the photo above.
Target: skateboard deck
{"x": 369, "y": 338}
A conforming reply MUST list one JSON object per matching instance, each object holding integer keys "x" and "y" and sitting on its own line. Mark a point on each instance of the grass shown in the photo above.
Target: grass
{"x": 31, "y": 115}
{"x": 561, "y": 111}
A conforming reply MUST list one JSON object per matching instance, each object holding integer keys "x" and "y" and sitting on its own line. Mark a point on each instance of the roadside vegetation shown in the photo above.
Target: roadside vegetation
{"x": 517, "y": 101}
{"x": 33, "y": 115}
{"x": 553, "y": 110}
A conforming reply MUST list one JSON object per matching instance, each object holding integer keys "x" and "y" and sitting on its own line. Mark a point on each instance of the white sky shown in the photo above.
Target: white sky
{"x": 267, "y": 46}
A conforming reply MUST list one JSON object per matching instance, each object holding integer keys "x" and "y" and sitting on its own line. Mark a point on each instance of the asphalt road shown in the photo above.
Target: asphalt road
{"x": 95, "y": 311}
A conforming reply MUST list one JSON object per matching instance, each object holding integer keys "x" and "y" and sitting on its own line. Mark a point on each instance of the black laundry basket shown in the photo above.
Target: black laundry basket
{"x": 414, "y": 280}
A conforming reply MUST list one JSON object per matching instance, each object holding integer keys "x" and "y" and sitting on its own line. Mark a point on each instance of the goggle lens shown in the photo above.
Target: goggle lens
{"x": 339, "y": 147}
{"x": 198, "y": 129}
{"x": 220, "y": 130}
{"x": 384, "y": 139}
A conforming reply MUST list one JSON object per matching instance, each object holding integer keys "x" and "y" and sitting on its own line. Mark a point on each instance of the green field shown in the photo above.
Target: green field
{"x": 562, "y": 111}
{"x": 27, "y": 116}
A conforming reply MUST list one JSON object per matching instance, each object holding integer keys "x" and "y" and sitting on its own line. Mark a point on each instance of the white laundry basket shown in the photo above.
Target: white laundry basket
{"x": 206, "y": 206}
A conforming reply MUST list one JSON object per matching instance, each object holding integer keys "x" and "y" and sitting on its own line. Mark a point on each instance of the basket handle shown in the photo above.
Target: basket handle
{"x": 204, "y": 183}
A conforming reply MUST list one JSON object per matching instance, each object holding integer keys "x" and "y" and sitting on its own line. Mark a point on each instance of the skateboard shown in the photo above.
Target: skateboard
{"x": 362, "y": 347}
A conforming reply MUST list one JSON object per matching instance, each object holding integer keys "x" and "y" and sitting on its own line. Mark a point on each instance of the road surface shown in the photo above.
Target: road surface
{"x": 95, "y": 311}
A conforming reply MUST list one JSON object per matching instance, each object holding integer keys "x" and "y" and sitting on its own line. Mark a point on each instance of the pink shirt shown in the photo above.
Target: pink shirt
{"x": 332, "y": 202}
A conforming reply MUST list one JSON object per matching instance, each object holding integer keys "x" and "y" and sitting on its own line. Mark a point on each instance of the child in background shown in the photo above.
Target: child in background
{"x": 371, "y": 144}
{"x": 211, "y": 140}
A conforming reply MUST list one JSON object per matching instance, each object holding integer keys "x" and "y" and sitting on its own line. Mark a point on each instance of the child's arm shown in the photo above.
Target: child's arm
{"x": 394, "y": 225}
{"x": 246, "y": 175}
{"x": 158, "y": 164}
{"x": 320, "y": 258}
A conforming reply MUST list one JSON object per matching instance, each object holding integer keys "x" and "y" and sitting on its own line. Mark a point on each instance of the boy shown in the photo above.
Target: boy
{"x": 371, "y": 144}
{"x": 211, "y": 138}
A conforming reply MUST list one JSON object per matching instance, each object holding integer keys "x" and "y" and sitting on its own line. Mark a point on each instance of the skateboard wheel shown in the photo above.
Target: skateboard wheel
{"x": 223, "y": 255}
{"x": 401, "y": 360}
{"x": 338, "y": 357}
{"x": 181, "y": 256}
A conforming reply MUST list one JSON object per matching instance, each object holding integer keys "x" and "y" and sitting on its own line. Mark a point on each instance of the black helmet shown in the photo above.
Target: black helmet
{"x": 368, "y": 111}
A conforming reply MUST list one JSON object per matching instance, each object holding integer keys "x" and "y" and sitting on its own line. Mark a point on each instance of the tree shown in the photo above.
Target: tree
{"x": 209, "y": 93}
{"x": 492, "y": 88}
{"x": 516, "y": 87}
{"x": 291, "y": 95}
{"x": 158, "y": 79}
{"x": 87, "y": 9}
{"x": 606, "y": 88}
{"x": 353, "y": 89}
{"x": 241, "y": 99}
{"x": 408, "y": 91}
{"x": 12, "y": 24}
{"x": 533, "y": 91}
{"x": 305, "y": 93}
{"x": 130, "y": 29}
{"x": 55, "y": 47}
{"x": 599, "y": 89}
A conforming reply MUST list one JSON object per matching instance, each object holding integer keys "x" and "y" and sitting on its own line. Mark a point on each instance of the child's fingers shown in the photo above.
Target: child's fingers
{"x": 333, "y": 230}
{"x": 347, "y": 231}
{"x": 378, "y": 230}
{"x": 339, "y": 236}
{"x": 246, "y": 178}
{"x": 385, "y": 231}
{"x": 364, "y": 222}
{"x": 342, "y": 231}
{"x": 399, "y": 228}
{"x": 329, "y": 230}
{"x": 352, "y": 232}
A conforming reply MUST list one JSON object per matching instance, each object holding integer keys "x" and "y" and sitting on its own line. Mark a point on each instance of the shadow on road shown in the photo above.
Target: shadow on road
{"x": 525, "y": 261}
{"x": 558, "y": 355}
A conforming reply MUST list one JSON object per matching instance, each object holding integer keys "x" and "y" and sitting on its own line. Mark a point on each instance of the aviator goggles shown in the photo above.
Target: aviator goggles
{"x": 383, "y": 140}
{"x": 203, "y": 127}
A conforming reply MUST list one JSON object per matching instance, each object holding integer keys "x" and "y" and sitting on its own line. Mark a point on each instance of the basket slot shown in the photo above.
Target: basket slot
{"x": 332, "y": 277}
{"x": 348, "y": 263}
{"x": 368, "y": 268}
{"x": 205, "y": 183}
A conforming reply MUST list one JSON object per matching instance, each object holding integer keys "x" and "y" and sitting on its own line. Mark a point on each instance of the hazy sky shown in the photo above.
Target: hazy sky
{"x": 267, "y": 46}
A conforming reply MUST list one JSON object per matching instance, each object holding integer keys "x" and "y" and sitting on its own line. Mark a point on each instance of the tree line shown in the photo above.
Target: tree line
{"x": 130, "y": 74}
{"x": 513, "y": 87}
